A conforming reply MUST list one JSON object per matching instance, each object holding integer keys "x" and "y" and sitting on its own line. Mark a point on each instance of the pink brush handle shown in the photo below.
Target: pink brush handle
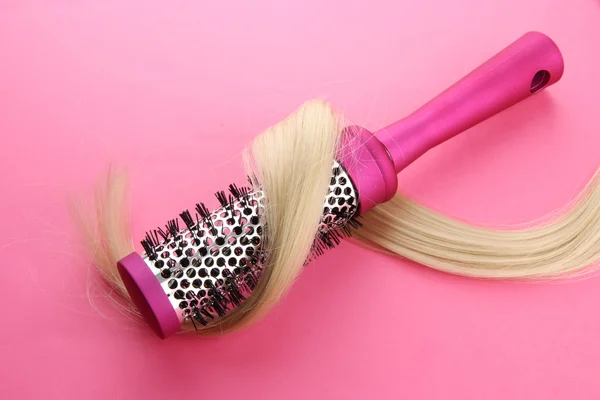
{"x": 529, "y": 64}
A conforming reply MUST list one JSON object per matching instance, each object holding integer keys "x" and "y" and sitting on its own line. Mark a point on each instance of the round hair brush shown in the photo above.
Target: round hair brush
{"x": 204, "y": 264}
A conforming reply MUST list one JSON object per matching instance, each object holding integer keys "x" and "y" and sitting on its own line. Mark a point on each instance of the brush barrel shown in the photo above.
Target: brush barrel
{"x": 202, "y": 272}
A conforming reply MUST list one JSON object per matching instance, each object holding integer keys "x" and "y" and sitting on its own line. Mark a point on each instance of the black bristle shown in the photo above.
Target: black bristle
{"x": 206, "y": 313}
{"x": 202, "y": 210}
{"x": 218, "y": 307}
{"x": 187, "y": 219}
{"x": 196, "y": 311}
{"x": 194, "y": 323}
{"x": 211, "y": 226}
{"x": 152, "y": 238}
{"x": 251, "y": 279}
{"x": 231, "y": 201}
{"x": 173, "y": 227}
{"x": 219, "y": 303}
{"x": 222, "y": 198}
{"x": 335, "y": 237}
{"x": 205, "y": 216}
{"x": 149, "y": 249}
{"x": 317, "y": 249}
{"x": 235, "y": 297}
{"x": 245, "y": 195}
{"x": 149, "y": 243}
{"x": 355, "y": 223}
{"x": 346, "y": 231}
{"x": 198, "y": 316}
{"x": 327, "y": 238}
{"x": 239, "y": 193}
{"x": 163, "y": 234}
{"x": 234, "y": 190}
{"x": 227, "y": 201}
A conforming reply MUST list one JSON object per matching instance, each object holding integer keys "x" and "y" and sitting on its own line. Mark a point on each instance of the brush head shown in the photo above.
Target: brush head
{"x": 200, "y": 270}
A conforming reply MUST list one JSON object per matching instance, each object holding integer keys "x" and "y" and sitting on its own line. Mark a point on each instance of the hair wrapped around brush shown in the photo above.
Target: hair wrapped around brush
{"x": 216, "y": 271}
{"x": 294, "y": 183}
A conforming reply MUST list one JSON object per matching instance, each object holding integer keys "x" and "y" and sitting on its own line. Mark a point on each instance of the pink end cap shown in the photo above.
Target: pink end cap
{"x": 148, "y": 296}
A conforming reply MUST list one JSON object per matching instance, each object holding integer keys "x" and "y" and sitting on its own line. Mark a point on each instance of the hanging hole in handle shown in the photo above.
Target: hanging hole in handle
{"x": 540, "y": 79}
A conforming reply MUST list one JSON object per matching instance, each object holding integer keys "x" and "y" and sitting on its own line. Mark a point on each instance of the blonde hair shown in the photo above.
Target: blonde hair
{"x": 291, "y": 162}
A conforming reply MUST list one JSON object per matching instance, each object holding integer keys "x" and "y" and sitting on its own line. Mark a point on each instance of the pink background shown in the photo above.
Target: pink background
{"x": 174, "y": 92}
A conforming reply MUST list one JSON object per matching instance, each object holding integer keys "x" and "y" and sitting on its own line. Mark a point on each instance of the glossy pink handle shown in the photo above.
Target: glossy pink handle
{"x": 531, "y": 63}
